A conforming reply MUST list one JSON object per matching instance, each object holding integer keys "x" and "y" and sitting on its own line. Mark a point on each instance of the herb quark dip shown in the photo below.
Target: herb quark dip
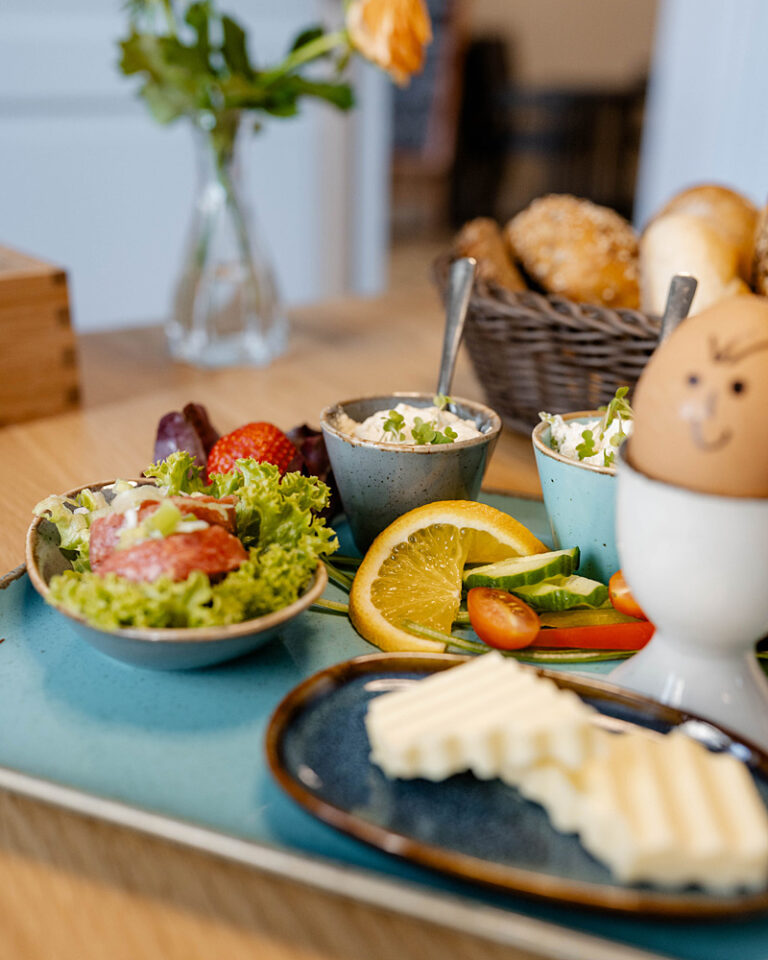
{"x": 410, "y": 425}
{"x": 592, "y": 441}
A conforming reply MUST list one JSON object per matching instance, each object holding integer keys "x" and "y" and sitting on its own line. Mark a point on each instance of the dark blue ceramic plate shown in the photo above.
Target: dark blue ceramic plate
{"x": 478, "y": 830}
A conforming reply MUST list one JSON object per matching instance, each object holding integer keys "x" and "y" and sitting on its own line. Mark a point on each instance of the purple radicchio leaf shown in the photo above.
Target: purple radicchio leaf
{"x": 191, "y": 431}
{"x": 196, "y": 415}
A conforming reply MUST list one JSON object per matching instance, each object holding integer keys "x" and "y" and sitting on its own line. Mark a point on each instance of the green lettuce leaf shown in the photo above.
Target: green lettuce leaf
{"x": 277, "y": 520}
{"x": 178, "y": 474}
{"x": 269, "y": 580}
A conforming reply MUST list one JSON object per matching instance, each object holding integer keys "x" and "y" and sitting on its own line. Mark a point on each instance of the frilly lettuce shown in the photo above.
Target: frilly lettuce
{"x": 72, "y": 518}
{"x": 268, "y": 580}
{"x": 277, "y": 521}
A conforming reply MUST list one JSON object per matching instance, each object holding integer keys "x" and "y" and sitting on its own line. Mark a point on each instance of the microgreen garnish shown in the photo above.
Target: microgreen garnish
{"x": 441, "y": 401}
{"x": 587, "y": 448}
{"x": 618, "y": 407}
{"x": 608, "y": 457}
{"x": 426, "y": 432}
{"x": 394, "y": 424}
{"x": 423, "y": 432}
{"x": 448, "y": 436}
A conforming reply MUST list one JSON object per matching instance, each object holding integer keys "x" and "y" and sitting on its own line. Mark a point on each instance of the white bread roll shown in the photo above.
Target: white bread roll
{"x": 760, "y": 260}
{"x": 682, "y": 243}
{"x": 729, "y": 213}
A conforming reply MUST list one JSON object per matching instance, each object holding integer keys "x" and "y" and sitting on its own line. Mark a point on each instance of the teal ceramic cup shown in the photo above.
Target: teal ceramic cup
{"x": 378, "y": 482}
{"x": 581, "y": 503}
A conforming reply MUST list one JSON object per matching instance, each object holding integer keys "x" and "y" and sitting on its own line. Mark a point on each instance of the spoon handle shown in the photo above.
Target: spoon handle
{"x": 459, "y": 291}
{"x": 682, "y": 287}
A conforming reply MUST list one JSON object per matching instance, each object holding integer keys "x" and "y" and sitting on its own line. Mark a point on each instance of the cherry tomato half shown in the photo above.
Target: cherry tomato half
{"x": 622, "y": 599}
{"x": 501, "y": 619}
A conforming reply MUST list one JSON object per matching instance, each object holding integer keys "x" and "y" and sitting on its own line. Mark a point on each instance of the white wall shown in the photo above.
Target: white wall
{"x": 706, "y": 116}
{"x": 89, "y": 181}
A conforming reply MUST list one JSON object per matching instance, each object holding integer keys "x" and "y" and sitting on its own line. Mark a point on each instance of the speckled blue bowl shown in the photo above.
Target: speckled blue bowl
{"x": 378, "y": 482}
{"x": 581, "y": 503}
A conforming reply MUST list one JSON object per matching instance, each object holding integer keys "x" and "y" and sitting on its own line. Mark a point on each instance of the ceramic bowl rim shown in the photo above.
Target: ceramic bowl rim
{"x": 441, "y": 448}
{"x": 173, "y": 634}
{"x": 549, "y": 452}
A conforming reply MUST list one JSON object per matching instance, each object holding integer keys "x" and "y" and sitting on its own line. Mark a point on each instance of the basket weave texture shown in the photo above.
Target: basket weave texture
{"x": 534, "y": 352}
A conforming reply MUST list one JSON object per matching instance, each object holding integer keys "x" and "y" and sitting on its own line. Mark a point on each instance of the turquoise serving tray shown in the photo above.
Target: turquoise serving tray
{"x": 181, "y": 755}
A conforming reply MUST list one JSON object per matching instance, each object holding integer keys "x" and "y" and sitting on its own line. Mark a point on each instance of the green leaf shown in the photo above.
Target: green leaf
{"x": 587, "y": 448}
{"x": 423, "y": 432}
{"x": 234, "y": 48}
{"x": 165, "y": 104}
{"x": 307, "y": 36}
{"x": 394, "y": 424}
{"x": 198, "y": 17}
{"x": 338, "y": 94}
{"x": 178, "y": 473}
{"x": 448, "y": 436}
{"x": 618, "y": 407}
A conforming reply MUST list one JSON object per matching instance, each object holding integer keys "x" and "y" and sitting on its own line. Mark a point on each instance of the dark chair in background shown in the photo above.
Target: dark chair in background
{"x": 468, "y": 141}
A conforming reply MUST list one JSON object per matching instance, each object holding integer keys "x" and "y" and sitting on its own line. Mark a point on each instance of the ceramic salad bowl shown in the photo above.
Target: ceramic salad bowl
{"x": 178, "y": 648}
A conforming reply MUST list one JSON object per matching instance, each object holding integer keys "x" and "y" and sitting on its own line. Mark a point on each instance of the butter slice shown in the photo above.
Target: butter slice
{"x": 489, "y": 715}
{"x": 662, "y": 810}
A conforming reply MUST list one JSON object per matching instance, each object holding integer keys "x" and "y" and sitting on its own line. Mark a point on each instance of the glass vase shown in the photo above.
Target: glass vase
{"x": 226, "y": 309}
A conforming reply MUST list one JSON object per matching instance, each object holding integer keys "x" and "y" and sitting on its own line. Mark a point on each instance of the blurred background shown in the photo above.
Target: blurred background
{"x": 620, "y": 101}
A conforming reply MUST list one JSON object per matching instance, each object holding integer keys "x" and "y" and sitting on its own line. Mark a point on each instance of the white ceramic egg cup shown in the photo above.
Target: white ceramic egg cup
{"x": 698, "y": 566}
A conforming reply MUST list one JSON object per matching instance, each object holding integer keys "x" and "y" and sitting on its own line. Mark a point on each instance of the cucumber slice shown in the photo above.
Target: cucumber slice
{"x": 562, "y": 593}
{"x": 519, "y": 571}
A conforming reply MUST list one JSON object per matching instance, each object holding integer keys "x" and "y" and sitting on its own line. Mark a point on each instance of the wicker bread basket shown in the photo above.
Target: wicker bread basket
{"x": 535, "y": 352}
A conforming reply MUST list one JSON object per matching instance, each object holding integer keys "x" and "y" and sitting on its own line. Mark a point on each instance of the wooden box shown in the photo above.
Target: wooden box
{"x": 38, "y": 362}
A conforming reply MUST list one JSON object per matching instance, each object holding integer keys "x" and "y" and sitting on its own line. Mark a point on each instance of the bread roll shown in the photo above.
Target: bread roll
{"x": 682, "y": 243}
{"x": 760, "y": 257}
{"x": 482, "y": 239}
{"x": 578, "y": 249}
{"x": 729, "y": 213}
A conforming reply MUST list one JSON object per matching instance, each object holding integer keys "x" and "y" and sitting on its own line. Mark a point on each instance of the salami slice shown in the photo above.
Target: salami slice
{"x": 105, "y": 531}
{"x": 216, "y": 510}
{"x": 212, "y": 550}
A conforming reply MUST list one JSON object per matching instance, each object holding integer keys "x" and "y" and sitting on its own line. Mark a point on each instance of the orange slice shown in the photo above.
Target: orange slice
{"x": 413, "y": 569}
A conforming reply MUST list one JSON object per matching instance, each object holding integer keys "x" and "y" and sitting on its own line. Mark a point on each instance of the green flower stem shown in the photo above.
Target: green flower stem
{"x": 338, "y": 577}
{"x": 531, "y": 655}
{"x": 309, "y": 51}
{"x": 331, "y": 606}
{"x": 344, "y": 561}
{"x": 471, "y": 646}
{"x": 462, "y": 617}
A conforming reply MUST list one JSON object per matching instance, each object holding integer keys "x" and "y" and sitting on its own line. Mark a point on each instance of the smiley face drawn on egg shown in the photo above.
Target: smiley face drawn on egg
{"x": 702, "y": 402}
{"x": 714, "y": 398}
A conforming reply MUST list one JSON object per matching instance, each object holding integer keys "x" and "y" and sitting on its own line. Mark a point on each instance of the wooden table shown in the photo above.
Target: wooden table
{"x": 75, "y": 889}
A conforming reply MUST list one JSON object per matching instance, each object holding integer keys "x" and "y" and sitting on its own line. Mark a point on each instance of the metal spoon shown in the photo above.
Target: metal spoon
{"x": 459, "y": 290}
{"x": 681, "y": 290}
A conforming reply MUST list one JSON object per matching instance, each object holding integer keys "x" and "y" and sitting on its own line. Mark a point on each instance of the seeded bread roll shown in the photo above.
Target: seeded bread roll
{"x": 578, "y": 249}
{"x": 482, "y": 239}
{"x": 727, "y": 212}
{"x": 760, "y": 257}
{"x": 681, "y": 243}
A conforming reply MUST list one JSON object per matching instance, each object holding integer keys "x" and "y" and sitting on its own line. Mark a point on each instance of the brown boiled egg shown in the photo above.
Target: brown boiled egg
{"x": 701, "y": 404}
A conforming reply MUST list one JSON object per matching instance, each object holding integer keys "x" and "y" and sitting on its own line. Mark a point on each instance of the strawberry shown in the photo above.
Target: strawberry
{"x": 262, "y": 441}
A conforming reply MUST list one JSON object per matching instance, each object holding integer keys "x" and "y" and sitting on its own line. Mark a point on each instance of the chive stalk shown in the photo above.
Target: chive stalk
{"x": 529, "y": 654}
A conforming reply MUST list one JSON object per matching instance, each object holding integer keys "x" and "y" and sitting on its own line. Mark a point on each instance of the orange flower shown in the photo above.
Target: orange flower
{"x": 391, "y": 33}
